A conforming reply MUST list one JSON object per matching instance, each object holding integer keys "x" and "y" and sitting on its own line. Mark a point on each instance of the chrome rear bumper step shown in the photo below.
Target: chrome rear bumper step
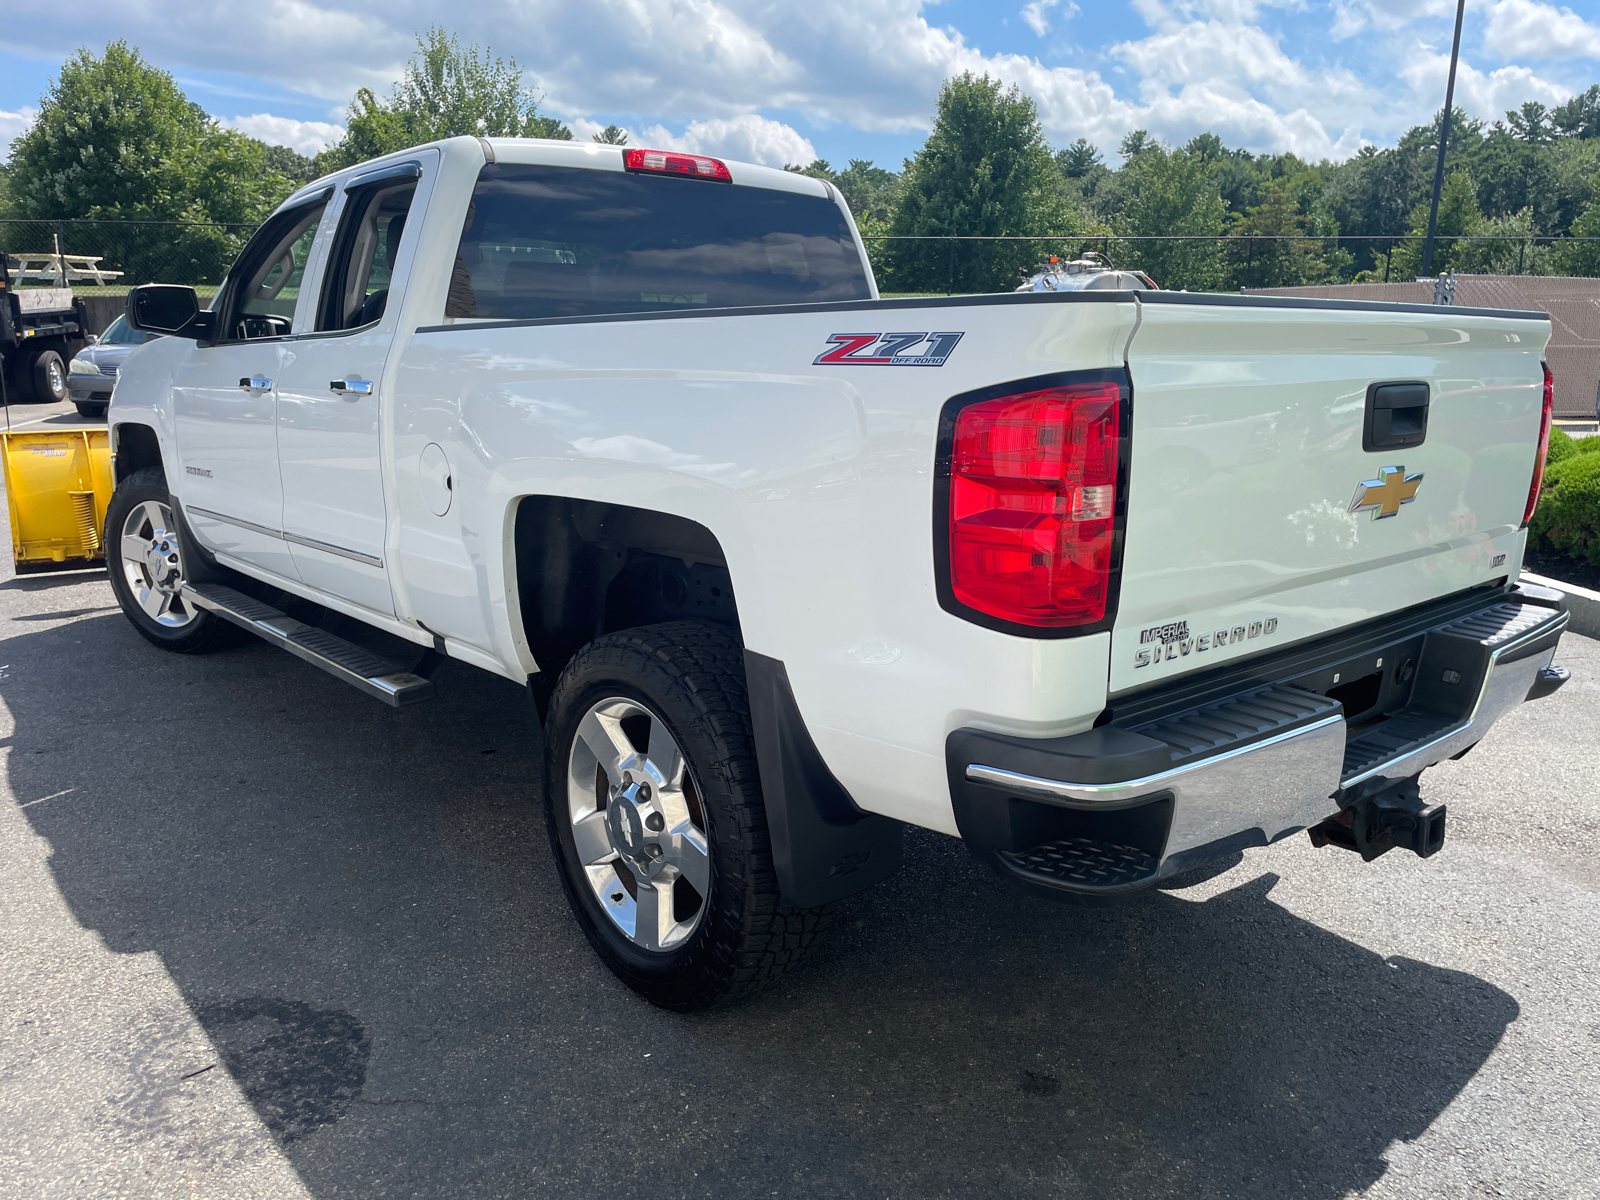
{"x": 1117, "y": 806}
{"x": 360, "y": 668}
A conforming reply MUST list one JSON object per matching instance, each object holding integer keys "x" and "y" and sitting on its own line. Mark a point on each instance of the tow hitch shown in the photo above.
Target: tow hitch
{"x": 1393, "y": 816}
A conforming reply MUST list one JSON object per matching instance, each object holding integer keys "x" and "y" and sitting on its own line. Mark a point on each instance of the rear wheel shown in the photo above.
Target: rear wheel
{"x": 48, "y": 375}
{"x": 146, "y": 559}
{"x": 657, "y": 821}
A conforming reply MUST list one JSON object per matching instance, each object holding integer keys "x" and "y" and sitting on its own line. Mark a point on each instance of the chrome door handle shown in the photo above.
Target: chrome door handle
{"x": 352, "y": 386}
{"x": 256, "y": 383}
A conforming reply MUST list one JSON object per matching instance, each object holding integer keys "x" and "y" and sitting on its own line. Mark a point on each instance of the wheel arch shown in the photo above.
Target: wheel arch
{"x": 584, "y": 568}
{"x": 133, "y": 448}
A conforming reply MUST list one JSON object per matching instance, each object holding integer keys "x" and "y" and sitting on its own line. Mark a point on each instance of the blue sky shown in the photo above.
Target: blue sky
{"x": 846, "y": 79}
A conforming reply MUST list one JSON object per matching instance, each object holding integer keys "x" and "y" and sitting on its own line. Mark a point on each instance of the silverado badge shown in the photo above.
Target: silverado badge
{"x": 1385, "y": 494}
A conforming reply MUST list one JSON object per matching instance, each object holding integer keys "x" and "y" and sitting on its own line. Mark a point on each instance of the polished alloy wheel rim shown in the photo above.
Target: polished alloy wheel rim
{"x": 153, "y": 566}
{"x": 57, "y": 379}
{"x": 638, "y": 824}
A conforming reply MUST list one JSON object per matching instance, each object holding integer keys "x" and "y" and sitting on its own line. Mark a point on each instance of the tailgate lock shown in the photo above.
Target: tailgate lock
{"x": 1397, "y": 416}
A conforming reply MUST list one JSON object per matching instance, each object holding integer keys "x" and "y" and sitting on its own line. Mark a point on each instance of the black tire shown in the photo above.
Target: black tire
{"x": 201, "y": 631}
{"x": 48, "y": 374}
{"x": 90, "y": 408}
{"x": 691, "y": 675}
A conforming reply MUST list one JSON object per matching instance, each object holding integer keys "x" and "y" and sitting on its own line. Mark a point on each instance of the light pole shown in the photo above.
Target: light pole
{"x": 1444, "y": 140}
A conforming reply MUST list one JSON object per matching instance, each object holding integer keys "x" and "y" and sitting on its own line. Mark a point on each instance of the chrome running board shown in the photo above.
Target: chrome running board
{"x": 360, "y": 668}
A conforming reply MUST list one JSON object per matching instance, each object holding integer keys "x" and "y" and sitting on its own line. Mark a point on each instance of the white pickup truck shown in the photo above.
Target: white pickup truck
{"x": 1110, "y": 584}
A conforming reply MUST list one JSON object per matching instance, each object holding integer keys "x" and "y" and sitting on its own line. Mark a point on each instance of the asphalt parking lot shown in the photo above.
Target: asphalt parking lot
{"x": 261, "y": 936}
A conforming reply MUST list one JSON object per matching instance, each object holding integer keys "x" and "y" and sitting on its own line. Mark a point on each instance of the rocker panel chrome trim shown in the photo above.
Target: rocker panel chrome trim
{"x": 293, "y": 538}
{"x": 327, "y": 548}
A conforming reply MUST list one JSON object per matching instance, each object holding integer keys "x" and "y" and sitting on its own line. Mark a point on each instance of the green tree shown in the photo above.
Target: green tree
{"x": 292, "y": 165}
{"x": 1135, "y": 143}
{"x": 871, "y": 192}
{"x": 1079, "y": 159}
{"x": 1582, "y": 258}
{"x": 1283, "y": 244}
{"x": 1580, "y": 116}
{"x": 446, "y": 91}
{"x": 984, "y": 171}
{"x": 1517, "y": 254}
{"x": 1173, "y": 193}
{"x": 1531, "y": 123}
{"x": 1459, "y": 216}
{"x": 611, "y": 135}
{"x": 117, "y": 140}
{"x": 1083, "y": 172}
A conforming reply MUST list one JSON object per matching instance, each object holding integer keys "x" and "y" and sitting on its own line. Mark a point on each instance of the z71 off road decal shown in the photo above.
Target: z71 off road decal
{"x": 887, "y": 350}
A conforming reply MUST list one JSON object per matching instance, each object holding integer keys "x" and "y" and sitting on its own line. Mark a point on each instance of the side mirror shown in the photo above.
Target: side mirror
{"x": 168, "y": 308}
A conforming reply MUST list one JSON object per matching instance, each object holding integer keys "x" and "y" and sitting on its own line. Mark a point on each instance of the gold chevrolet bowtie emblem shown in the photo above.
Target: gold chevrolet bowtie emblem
{"x": 1385, "y": 494}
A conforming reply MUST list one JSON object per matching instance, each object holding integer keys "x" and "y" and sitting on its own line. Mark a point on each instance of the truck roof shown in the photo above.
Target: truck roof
{"x": 591, "y": 155}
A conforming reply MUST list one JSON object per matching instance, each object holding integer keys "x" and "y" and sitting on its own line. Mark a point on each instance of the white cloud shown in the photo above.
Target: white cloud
{"x": 705, "y": 74}
{"x": 12, "y": 126}
{"x": 1483, "y": 94}
{"x": 1523, "y": 28}
{"x": 307, "y": 137}
{"x": 1033, "y": 14}
{"x": 749, "y": 138}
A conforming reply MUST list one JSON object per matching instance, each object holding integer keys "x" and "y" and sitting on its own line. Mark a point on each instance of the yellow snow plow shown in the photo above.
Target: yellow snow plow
{"x": 57, "y": 487}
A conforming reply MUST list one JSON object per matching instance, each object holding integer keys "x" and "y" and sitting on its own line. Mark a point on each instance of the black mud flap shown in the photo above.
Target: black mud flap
{"x": 824, "y": 847}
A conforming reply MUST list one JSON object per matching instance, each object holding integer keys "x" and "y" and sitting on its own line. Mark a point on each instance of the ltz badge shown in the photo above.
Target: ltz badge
{"x": 1162, "y": 643}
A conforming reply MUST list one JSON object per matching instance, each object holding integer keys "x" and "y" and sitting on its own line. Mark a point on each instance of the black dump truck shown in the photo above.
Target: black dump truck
{"x": 41, "y": 328}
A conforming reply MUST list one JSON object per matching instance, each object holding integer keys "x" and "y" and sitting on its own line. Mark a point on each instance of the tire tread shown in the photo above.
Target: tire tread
{"x": 704, "y": 663}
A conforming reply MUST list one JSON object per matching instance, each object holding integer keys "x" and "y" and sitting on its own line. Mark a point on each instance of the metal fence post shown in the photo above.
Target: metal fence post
{"x": 1387, "y": 259}
{"x": 950, "y": 266}
{"x": 1521, "y": 254}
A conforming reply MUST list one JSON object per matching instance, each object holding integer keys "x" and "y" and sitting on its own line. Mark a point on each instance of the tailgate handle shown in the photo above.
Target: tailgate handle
{"x": 1397, "y": 416}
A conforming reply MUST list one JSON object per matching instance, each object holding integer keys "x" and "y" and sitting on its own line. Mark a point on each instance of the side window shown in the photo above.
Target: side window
{"x": 268, "y": 276}
{"x": 355, "y": 289}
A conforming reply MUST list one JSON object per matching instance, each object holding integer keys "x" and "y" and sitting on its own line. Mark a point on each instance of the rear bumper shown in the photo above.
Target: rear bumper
{"x": 1246, "y": 760}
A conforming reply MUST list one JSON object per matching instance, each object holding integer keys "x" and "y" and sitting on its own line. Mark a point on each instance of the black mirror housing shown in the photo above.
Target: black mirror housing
{"x": 168, "y": 308}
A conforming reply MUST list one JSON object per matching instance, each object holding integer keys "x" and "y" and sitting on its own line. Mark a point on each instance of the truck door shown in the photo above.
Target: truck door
{"x": 224, "y": 398}
{"x": 331, "y": 391}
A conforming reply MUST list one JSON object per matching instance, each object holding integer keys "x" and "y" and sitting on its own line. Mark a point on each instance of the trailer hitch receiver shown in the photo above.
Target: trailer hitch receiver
{"x": 1391, "y": 817}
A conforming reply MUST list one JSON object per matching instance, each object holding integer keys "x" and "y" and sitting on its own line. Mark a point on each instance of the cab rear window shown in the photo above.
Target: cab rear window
{"x": 563, "y": 241}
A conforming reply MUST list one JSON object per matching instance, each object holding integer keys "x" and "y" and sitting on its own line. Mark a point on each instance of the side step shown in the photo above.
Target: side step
{"x": 377, "y": 677}
{"x": 1085, "y": 866}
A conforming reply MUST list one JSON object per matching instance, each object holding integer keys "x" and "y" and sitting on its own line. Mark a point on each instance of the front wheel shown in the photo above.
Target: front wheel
{"x": 656, "y": 817}
{"x": 146, "y": 557}
{"x": 90, "y": 408}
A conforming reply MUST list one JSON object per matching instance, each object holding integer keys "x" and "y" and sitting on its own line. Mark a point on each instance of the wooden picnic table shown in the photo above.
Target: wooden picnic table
{"x": 47, "y": 267}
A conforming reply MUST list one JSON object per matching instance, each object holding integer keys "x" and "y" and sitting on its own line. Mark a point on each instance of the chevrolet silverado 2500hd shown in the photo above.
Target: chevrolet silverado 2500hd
{"x": 1106, "y": 583}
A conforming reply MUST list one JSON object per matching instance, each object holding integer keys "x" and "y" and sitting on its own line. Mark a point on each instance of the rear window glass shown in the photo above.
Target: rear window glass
{"x": 567, "y": 241}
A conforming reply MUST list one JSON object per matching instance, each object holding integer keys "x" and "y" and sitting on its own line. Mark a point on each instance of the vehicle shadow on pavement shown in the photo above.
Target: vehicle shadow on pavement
{"x": 359, "y": 906}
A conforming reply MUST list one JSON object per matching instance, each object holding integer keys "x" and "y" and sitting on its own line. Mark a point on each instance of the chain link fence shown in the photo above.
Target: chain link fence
{"x": 1229, "y": 263}
{"x": 108, "y": 257}
{"x": 103, "y": 258}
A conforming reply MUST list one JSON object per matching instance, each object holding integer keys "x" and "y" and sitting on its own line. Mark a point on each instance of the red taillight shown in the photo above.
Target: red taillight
{"x": 1544, "y": 446}
{"x": 665, "y": 162}
{"x": 1033, "y": 494}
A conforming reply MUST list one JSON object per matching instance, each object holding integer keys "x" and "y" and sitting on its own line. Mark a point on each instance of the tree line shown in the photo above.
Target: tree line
{"x": 116, "y": 139}
{"x": 987, "y": 170}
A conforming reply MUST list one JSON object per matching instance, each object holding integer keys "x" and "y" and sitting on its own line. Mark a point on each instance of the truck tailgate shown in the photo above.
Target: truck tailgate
{"x": 1247, "y": 457}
